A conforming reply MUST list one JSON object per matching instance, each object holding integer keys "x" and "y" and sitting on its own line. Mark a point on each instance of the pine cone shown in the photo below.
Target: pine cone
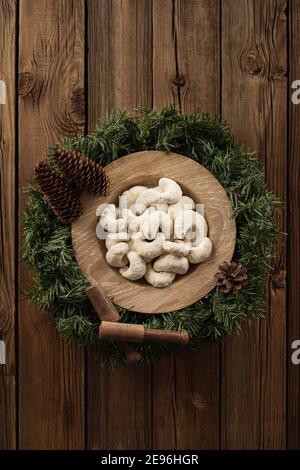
{"x": 64, "y": 203}
{"x": 231, "y": 277}
{"x": 87, "y": 175}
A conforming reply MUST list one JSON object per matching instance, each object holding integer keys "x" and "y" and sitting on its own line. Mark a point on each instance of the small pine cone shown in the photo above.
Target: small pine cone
{"x": 87, "y": 175}
{"x": 231, "y": 277}
{"x": 64, "y": 203}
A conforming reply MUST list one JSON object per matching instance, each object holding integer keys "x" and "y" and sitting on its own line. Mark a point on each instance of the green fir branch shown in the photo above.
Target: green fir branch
{"x": 59, "y": 285}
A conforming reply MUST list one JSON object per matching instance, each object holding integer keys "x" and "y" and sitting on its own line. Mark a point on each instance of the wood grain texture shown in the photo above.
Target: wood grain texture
{"x": 50, "y": 86}
{"x": 145, "y": 168}
{"x": 186, "y": 54}
{"x": 254, "y": 101}
{"x": 120, "y": 55}
{"x": 7, "y": 224}
{"x": 293, "y": 402}
{"x": 150, "y": 52}
{"x": 186, "y": 72}
{"x": 119, "y": 75}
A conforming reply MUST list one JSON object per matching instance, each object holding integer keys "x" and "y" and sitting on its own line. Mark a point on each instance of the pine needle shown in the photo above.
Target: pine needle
{"x": 60, "y": 286}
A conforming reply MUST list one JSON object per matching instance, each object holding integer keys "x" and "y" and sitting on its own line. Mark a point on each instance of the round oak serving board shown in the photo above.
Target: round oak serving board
{"x": 145, "y": 168}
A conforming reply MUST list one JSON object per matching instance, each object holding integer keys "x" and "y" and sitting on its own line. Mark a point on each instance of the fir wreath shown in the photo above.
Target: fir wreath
{"x": 60, "y": 286}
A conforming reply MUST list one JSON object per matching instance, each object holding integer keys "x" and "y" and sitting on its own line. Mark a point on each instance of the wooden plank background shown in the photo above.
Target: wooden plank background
{"x": 66, "y": 62}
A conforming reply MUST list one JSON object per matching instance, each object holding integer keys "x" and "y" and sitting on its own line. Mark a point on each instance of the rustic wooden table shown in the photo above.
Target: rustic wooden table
{"x": 64, "y": 62}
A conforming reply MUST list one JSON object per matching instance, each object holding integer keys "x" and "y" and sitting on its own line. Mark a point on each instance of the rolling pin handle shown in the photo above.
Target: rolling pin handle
{"x": 138, "y": 333}
{"x": 108, "y": 313}
{"x": 102, "y": 304}
{"x": 167, "y": 336}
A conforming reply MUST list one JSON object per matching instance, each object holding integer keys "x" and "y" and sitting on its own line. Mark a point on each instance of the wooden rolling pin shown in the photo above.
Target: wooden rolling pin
{"x": 138, "y": 333}
{"x": 107, "y": 312}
